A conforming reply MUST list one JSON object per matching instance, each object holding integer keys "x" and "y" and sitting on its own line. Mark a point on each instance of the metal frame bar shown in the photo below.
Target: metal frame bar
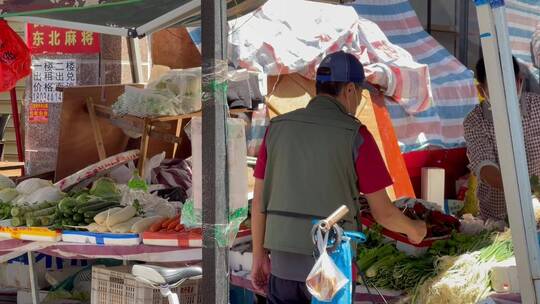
{"x": 463, "y": 26}
{"x": 135, "y": 60}
{"x": 428, "y": 21}
{"x": 214, "y": 153}
{"x": 169, "y": 18}
{"x": 510, "y": 144}
{"x": 71, "y": 25}
{"x": 33, "y": 278}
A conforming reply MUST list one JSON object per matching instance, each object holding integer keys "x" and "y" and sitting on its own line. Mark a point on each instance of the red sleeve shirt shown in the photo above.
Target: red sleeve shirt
{"x": 370, "y": 168}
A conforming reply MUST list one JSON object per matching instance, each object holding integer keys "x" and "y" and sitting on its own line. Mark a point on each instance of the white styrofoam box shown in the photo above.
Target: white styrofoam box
{"x": 433, "y": 185}
{"x": 504, "y": 276}
{"x": 101, "y": 238}
{"x": 239, "y": 261}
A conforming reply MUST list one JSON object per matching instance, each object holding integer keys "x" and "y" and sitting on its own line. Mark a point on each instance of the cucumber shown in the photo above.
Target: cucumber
{"x": 33, "y": 221}
{"x": 69, "y": 212}
{"x": 18, "y": 221}
{"x": 18, "y": 211}
{"x": 42, "y": 206}
{"x": 88, "y": 220}
{"x": 96, "y": 207}
{"x": 78, "y": 217}
{"x": 42, "y": 212}
{"x": 72, "y": 223}
{"x": 65, "y": 222}
{"x": 92, "y": 214}
{"x": 47, "y": 220}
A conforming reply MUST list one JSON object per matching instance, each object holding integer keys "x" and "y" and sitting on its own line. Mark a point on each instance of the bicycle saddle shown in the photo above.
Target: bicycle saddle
{"x": 161, "y": 275}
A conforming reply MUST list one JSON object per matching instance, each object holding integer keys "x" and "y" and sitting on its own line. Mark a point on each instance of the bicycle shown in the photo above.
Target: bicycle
{"x": 165, "y": 279}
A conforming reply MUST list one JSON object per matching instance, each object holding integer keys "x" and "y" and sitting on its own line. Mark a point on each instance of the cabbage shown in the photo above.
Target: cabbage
{"x": 6, "y": 182}
{"x": 8, "y": 194}
{"x": 46, "y": 194}
{"x": 104, "y": 187}
{"x": 31, "y": 185}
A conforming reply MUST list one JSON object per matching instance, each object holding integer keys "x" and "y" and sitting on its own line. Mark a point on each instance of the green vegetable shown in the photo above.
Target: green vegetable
{"x": 104, "y": 187}
{"x": 96, "y": 207}
{"x": 370, "y": 256}
{"x": 386, "y": 262}
{"x": 33, "y": 221}
{"x": 92, "y": 214}
{"x": 78, "y": 218}
{"x": 18, "y": 211}
{"x": 67, "y": 203}
{"x": 88, "y": 220}
{"x": 47, "y": 220}
{"x": 18, "y": 221}
{"x": 500, "y": 250}
{"x": 42, "y": 212}
{"x": 83, "y": 198}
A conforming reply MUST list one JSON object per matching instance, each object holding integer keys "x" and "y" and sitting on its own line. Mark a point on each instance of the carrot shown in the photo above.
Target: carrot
{"x": 166, "y": 223}
{"x": 173, "y": 224}
{"x": 157, "y": 225}
{"x": 178, "y": 227}
{"x": 172, "y": 219}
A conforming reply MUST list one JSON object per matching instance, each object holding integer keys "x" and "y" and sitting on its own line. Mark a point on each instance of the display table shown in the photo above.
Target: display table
{"x": 12, "y": 248}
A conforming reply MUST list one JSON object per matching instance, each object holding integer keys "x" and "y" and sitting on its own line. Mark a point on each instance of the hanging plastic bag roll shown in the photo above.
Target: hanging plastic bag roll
{"x": 325, "y": 279}
{"x": 237, "y": 181}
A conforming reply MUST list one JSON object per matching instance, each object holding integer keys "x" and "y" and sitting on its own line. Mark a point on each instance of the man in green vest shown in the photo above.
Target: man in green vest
{"x": 312, "y": 161}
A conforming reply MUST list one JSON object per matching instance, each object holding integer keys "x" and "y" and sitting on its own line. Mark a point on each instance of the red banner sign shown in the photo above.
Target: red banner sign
{"x": 39, "y": 113}
{"x": 52, "y": 40}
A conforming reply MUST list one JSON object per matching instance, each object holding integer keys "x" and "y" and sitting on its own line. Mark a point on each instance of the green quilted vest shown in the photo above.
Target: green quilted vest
{"x": 310, "y": 172}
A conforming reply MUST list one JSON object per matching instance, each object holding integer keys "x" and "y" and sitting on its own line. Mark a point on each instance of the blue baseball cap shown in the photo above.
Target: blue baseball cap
{"x": 342, "y": 67}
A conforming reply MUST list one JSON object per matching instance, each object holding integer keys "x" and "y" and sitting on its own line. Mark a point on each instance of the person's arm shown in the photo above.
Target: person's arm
{"x": 480, "y": 150}
{"x": 260, "y": 269}
{"x": 491, "y": 175}
{"x": 373, "y": 179}
{"x": 391, "y": 218}
{"x": 258, "y": 219}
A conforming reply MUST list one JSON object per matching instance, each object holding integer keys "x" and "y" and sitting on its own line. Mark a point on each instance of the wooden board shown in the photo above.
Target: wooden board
{"x": 77, "y": 146}
{"x": 77, "y": 136}
{"x": 290, "y": 92}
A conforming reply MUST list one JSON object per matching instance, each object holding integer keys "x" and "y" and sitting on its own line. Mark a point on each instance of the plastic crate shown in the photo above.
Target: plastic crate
{"x": 116, "y": 285}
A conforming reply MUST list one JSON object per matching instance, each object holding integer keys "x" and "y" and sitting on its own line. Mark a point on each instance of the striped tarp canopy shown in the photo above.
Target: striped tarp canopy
{"x": 454, "y": 93}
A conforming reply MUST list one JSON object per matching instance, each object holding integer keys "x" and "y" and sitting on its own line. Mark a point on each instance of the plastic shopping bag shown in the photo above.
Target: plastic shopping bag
{"x": 325, "y": 279}
{"x": 14, "y": 57}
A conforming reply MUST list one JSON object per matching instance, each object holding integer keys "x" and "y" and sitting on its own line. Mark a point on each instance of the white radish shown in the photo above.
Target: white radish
{"x": 121, "y": 216}
{"x": 125, "y": 227}
{"x": 102, "y": 217}
{"x": 145, "y": 223}
{"x": 92, "y": 227}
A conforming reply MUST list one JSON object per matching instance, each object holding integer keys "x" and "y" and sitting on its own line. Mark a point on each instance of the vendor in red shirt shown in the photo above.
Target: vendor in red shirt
{"x": 312, "y": 161}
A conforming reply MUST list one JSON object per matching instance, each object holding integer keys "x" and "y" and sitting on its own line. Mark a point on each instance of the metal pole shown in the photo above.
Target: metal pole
{"x": 16, "y": 123}
{"x": 214, "y": 152}
{"x": 34, "y": 287}
{"x": 463, "y": 19}
{"x": 135, "y": 59}
{"x": 510, "y": 144}
{"x": 428, "y": 26}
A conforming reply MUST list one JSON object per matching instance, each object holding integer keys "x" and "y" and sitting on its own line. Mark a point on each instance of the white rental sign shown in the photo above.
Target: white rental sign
{"x": 47, "y": 75}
